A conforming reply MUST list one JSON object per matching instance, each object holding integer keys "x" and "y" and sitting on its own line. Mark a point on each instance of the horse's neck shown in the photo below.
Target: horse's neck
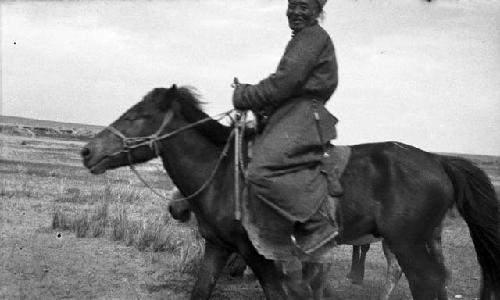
{"x": 190, "y": 158}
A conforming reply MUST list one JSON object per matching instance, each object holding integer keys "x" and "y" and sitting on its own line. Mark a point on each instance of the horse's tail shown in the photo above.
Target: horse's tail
{"x": 478, "y": 204}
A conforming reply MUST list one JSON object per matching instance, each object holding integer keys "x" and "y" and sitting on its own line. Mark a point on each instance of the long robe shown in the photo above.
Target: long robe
{"x": 285, "y": 171}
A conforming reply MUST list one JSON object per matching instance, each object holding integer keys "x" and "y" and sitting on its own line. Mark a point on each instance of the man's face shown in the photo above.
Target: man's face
{"x": 301, "y": 13}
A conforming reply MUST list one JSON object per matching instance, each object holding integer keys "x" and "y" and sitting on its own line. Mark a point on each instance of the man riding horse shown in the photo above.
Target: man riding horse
{"x": 288, "y": 168}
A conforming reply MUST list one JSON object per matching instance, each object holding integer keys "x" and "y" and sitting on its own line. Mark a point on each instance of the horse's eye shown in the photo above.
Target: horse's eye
{"x": 131, "y": 118}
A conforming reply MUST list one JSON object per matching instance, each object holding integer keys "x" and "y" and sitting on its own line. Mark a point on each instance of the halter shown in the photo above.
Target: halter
{"x": 130, "y": 143}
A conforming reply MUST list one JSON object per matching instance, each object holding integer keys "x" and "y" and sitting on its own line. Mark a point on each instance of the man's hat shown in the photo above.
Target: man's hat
{"x": 321, "y": 3}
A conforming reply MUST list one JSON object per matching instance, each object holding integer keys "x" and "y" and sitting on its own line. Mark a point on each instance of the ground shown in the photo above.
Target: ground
{"x": 129, "y": 247}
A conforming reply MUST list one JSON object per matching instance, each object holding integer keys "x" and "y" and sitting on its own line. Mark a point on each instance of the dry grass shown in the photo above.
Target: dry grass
{"x": 108, "y": 214}
{"x": 121, "y": 228}
{"x": 61, "y": 221}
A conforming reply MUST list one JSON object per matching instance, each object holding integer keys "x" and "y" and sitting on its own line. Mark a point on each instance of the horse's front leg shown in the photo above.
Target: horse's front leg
{"x": 269, "y": 276}
{"x": 279, "y": 280}
{"x": 356, "y": 252}
{"x": 357, "y": 272}
{"x": 213, "y": 262}
{"x": 316, "y": 274}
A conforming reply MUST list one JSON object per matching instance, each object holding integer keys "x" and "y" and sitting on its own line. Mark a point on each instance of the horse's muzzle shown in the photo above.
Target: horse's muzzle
{"x": 85, "y": 153}
{"x": 91, "y": 161}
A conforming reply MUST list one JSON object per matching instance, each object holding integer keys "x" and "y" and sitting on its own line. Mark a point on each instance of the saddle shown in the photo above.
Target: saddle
{"x": 332, "y": 160}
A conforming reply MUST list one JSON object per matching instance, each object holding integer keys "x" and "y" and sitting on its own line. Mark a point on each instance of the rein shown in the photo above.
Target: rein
{"x": 130, "y": 143}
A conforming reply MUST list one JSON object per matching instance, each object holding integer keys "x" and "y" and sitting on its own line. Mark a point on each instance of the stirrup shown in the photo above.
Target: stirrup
{"x": 314, "y": 246}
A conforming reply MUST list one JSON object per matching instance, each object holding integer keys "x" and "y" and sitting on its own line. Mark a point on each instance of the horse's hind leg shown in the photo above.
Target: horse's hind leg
{"x": 394, "y": 272}
{"x": 436, "y": 250}
{"x": 422, "y": 270}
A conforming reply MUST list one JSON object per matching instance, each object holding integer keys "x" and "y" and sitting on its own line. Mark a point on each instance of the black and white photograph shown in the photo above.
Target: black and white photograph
{"x": 250, "y": 149}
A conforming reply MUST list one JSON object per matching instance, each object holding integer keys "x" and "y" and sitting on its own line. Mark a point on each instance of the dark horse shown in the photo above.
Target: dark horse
{"x": 392, "y": 190}
{"x": 180, "y": 210}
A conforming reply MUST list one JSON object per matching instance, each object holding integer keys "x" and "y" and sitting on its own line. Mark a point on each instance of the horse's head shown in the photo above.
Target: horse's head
{"x": 179, "y": 208}
{"x": 129, "y": 139}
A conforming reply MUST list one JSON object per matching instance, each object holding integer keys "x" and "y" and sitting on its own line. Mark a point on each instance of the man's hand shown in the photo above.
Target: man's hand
{"x": 240, "y": 97}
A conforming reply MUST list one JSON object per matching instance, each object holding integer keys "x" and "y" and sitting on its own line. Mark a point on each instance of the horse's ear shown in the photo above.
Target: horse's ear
{"x": 167, "y": 98}
{"x": 172, "y": 91}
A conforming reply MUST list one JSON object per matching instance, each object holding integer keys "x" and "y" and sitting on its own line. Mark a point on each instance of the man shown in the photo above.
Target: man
{"x": 287, "y": 170}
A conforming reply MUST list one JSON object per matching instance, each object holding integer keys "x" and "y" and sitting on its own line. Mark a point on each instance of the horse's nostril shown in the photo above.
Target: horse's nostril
{"x": 85, "y": 152}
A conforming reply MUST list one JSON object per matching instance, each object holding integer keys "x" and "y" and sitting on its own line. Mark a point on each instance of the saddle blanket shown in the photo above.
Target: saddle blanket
{"x": 270, "y": 232}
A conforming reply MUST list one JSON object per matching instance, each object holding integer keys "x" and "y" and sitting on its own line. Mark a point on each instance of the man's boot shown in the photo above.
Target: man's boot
{"x": 320, "y": 229}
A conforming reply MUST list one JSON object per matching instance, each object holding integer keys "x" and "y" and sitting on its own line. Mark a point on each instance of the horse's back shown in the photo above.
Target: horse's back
{"x": 394, "y": 161}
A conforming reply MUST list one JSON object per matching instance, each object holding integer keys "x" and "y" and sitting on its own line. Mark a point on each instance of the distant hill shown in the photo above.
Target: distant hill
{"x": 19, "y": 126}
{"x": 20, "y": 121}
{"x": 32, "y": 127}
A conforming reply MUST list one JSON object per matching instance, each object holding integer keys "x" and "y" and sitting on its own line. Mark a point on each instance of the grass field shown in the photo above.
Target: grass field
{"x": 68, "y": 234}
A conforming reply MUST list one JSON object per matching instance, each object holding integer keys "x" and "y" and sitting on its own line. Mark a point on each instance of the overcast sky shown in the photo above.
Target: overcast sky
{"x": 427, "y": 74}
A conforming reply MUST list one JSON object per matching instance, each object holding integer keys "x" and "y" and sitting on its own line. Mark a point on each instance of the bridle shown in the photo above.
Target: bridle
{"x": 130, "y": 143}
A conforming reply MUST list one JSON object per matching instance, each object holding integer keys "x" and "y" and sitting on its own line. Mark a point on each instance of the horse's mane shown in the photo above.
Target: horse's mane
{"x": 191, "y": 110}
